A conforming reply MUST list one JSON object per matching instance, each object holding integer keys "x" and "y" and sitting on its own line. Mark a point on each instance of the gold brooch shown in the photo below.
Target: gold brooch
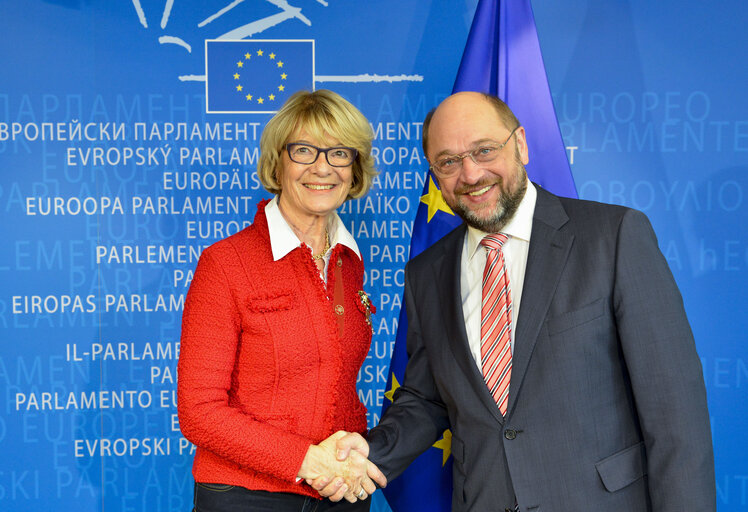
{"x": 366, "y": 307}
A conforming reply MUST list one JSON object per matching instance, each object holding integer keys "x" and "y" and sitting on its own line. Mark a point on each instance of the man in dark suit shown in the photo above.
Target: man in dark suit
{"x": 596, "y": 399}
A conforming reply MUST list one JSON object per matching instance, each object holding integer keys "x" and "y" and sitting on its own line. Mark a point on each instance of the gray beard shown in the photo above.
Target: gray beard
{"x": 505, "y": 209}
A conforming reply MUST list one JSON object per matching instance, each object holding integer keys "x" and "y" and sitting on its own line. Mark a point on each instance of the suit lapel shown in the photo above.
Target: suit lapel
{"x": 447, "y": 276}
{"x": 546, "y": 259}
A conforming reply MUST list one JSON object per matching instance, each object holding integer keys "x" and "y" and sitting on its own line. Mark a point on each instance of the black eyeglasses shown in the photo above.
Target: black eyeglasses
{"x": 339, "y": 156}
{"x": 450, "y": 165}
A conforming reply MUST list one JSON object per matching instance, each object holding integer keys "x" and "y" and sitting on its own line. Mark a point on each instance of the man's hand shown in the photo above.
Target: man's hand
{"x": 348, "y": 442}
{"x": 337, "y": 468}
{"x": 351, "y": 447}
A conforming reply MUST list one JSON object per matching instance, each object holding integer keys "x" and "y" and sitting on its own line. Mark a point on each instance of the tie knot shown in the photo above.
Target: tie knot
{"x": 494, "y": 241}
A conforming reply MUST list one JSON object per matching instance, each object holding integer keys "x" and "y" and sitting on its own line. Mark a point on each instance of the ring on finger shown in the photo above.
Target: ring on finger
{"x": 361, "y": 494}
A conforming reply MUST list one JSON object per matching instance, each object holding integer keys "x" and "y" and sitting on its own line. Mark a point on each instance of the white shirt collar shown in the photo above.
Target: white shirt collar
{"x": 283, "y": 240}
{"x": 519, "y": 226}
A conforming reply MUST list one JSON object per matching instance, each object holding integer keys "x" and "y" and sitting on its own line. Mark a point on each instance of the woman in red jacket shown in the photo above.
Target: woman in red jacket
{"x": 276, "y": 326}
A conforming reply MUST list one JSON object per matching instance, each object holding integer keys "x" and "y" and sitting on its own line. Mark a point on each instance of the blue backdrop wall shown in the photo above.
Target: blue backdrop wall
{"x": 115, "y": 171}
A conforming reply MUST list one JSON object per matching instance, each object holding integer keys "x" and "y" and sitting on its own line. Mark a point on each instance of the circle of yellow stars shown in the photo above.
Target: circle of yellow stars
{"x": 259, "y": 54}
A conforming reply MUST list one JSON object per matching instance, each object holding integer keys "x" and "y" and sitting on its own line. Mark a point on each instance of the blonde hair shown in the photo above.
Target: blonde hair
{"x": 323, "y": 114}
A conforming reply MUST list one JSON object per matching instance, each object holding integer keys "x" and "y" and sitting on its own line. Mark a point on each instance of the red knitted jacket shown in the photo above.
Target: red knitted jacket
{"x": 262, "y": 371}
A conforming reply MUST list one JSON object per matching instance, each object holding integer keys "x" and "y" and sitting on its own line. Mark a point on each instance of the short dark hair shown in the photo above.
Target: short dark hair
{"x": 502, "y": 109}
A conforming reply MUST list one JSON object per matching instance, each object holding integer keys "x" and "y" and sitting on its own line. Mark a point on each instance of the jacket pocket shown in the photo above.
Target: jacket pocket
{"x": 623, "y": 468}
{"x": 284, "y": 421}
{"x": 269, "y": 301}
{"x": 263, "y": 305}
{"x": 580, "y": 316}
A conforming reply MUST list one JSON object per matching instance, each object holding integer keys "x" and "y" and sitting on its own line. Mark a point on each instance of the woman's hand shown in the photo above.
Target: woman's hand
{"x": 352, "y": 478}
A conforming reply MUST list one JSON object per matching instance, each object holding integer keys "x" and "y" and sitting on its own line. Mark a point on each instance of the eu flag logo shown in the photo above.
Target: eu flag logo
{"x": 256, "y": 76}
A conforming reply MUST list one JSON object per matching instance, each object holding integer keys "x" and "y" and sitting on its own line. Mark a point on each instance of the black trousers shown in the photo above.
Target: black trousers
{"x": 232, "y": 498}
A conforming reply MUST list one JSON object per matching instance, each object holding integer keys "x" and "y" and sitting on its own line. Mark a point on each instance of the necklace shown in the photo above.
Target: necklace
{"x": 321, "y": 255}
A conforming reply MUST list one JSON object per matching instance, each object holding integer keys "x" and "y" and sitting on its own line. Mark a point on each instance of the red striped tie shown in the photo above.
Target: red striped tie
{"x": 496, "y": 322}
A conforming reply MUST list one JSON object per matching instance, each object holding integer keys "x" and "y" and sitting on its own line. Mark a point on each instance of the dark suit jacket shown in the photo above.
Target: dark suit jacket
{"x": 607, "y": 406}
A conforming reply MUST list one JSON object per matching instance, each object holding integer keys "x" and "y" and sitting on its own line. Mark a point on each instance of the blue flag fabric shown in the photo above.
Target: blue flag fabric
{"x": 256, "y": 76}
{"x": 502, "y": 57}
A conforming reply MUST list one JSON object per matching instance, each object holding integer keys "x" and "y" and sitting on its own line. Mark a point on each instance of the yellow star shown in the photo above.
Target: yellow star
{"x": 260, "y": 100}
{"x": 259, "y": 52}
{"x": 240, "y": 64}
{"x": 236, "y": 76}
{"x": 445, "y": 444}
{"x": 390, "y": 395}
{"x": 271, "y": 97}
{"x": 280, "y": 64}
{"x": 283, "y": 76}
{"x": 249, "y": 97}
{"x": 434, "y": 200}
{"x": 239, "y": 87}
{"x": 281, "y": 88}
{"x": 247, "y": 56}
{"x": 272, "y": 55}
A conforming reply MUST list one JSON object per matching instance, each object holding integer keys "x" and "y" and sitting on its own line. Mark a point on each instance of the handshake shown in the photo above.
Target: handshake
{"x": 338, "y": 468}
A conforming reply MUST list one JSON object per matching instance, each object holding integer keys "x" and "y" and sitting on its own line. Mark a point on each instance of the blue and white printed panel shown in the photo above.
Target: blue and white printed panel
{"x": 129, "y": 142}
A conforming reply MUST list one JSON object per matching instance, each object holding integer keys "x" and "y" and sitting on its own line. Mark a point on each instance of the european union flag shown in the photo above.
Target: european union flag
{"x": 256, "y": 76}
{"x": 502, "y": 57}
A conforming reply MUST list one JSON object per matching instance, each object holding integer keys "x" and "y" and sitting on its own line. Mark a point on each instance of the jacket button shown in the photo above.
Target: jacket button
{"x": 510, "y": 434}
